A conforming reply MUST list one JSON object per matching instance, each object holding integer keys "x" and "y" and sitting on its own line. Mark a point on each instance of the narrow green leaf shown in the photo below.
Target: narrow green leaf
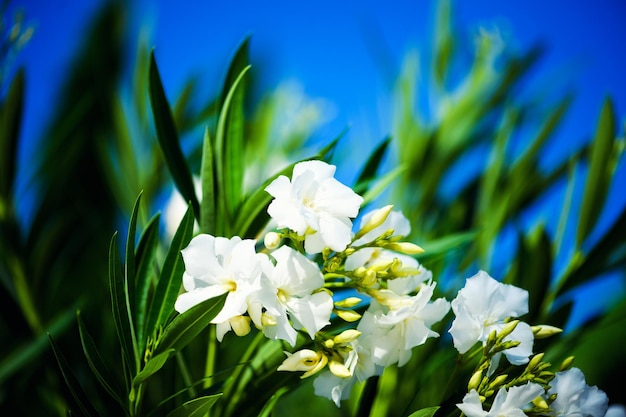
{"x": 381, "y": 184}
{"x": 425, "y": 412}
{"x": 82, "y": 400}
{"x": 440, "y": 247}
{"x": 10, "y": 120}
{"x": 237, "y": 64}
{"x": 197, "y": 407}
{"x": 99, "y": 369}
{"x": 145, "y": 256}
{"x": 208, "y": 205}
{"x": 598, "y": 179}
{"x": 368, "y": 172}
{"x": 168, "y": 137}
{"x": 130, "y": 278}
{"x": 170, "y": 278}
{"x": 444, "y": 44}
{"x": 223, "y": 165}
{"x": 185, "y": 327}
{"x": 118, "y": 304}
{"x": 152, "y": 366}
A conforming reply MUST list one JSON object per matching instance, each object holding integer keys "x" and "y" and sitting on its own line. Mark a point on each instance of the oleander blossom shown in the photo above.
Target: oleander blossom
{"x": 575, "y": 397}
{"x": 314, "y": 205}
{"x": 215, "y": 266}
{"x": 395, "y": 324}
{"x": 289, "y": 298}
{"x": 510, "y": 403}
{"x": 481, "y": 307}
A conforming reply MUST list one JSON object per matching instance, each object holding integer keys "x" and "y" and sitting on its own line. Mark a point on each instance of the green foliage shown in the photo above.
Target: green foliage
{"x": 107, "y": 157}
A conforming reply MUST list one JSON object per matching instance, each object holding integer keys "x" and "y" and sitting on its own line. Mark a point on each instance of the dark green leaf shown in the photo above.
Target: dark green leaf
{"x": 146, "y": 257}
{"x": 118, "y": 303}
{"x": 440, "y": 247}
{"x": 99, "y": 369}
{"x": 171, "y": 275}
{"x": 228, "y": 155}
{"x": 195, "y": 408}
{"x": 168, "y": 137}
{"x": 209, "y": 204}
{"x": 185, "y": 327}
{"x": 425, "y": 412}
{"x": 368, "y": 172}
{"x": 130, "y": 278}
{"x": 10, "y": 120}
{"x": 82, "y": 400}
{"x": 598, "y": 177}
{"x": 152, "y": 366}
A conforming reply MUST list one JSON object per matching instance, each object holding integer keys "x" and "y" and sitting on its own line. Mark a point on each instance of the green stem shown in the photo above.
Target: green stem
{"x": 185, "y": 374}
{"x": 211, "y": 355}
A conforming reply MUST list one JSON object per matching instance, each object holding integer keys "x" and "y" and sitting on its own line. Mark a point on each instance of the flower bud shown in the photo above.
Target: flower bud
{"x": 272, "y": 240}
{"x": 370, "y": 278}
{"x": 474, "y": 381}
{"x": 339, "y": 369}
{"x": 407, "y": 248}
{"x": 348, "y": 302}
{"x": 346, "y": 336}
{"x": 539, "y": 402}
{"x": 543, "y": 331}
{"x": 348, "y": 315}
{"x": 240, "y": 325}
{"x": 532, "y": 364}
{"x": 377, "y": 218}
{"x": 566, "y": 364}
{"x": 498, "y": 381}
{"x": 508, "y": 329}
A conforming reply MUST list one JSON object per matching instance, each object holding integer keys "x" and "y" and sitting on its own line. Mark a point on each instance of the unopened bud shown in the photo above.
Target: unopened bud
{"x": 498, "y": 381}
{"x": 566, "y": 364}
{"x": 407, "y": 248}
{"x": 543, "y": 331}
{"x": 532, "y": 364}
{"x": 508, "y": 329}
{"x": 370, "y": 278}
{"x": 347, "y": 336}
{"x": 339, "y": 369}
{"x": 359, "y": 272}
{"x": 240, "y": 325}
{"x": 377, "y": 218}
{"x": 272, "y": 240}
{"x": 304, "y": 360}
{"x": 348, "y": 302}
{"x": 474, "y": 381}
{"x": 539, "y": 402}
{"x": 348, "y": 315}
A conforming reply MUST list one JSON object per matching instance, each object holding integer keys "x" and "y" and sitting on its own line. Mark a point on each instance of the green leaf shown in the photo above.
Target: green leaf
{"x": 171, "y": 275}
{"x": 378, "y": 186}
{"x": 197, "y": 407}
{"x": 425, "y": 412}
{"x": 10, "y": 120}
{"x": 168, "y": 137}
{"x": 99, "y": 369}
{"x": 129, "y": 279}
{"x": 82, "y": 400}
{"x": 185, "y": 327}
{"x": 118, "y": 303}
{"x": 599, "y": 174}
{"x": 145, "y": 256}
{"x": 208, "y": 205}
{"x": 440, "y": 247}
{"x": 228, "y": 157}
{"x": 152, "y": 366}
{"x": 368, "y": 173}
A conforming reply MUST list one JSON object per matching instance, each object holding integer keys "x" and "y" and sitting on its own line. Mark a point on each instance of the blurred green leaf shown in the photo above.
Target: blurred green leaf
{"x": 82, "y": 400}
{"x": 197, "y": 407}
{"x": 186, "y": 326}
{"x": 97, "y": 365}
{"x": 369, "y": 170}
{"x": 208, "y": 205}
{"x": 10, "y": 121}
{"x": 441, "y": 247}
{"x": 168, "y": 137}
{"x": 229, "y": 152}
{"x": 171, "y": 275}
{"x": 146, "y": 275}
{"x": 425, "y": 412}
{"x": 599, "y": 174}
{"x": 118, "y": 302}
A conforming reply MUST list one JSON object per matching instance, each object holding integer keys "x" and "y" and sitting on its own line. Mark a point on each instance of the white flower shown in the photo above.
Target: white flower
{"x": 392, "y": 330}
{"x": 481, "y": 307}
{"x": 507, "y": 403}
{"x": 616, "y": 410}
{"x": 217, "y": 265}
{"x": 287, "y": 295}
{"x": 176, "y": 206}
{"x": 359, "y": 362}
{"x": 575, "y": 397}
{"x": 315, "y": 205}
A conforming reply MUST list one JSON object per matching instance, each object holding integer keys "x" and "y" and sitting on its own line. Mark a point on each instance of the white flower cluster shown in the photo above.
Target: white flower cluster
{"x": 286, "y": 290}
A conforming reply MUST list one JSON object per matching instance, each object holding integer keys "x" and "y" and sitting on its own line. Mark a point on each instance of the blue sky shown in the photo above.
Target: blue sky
{"x": 334, "y": 50}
